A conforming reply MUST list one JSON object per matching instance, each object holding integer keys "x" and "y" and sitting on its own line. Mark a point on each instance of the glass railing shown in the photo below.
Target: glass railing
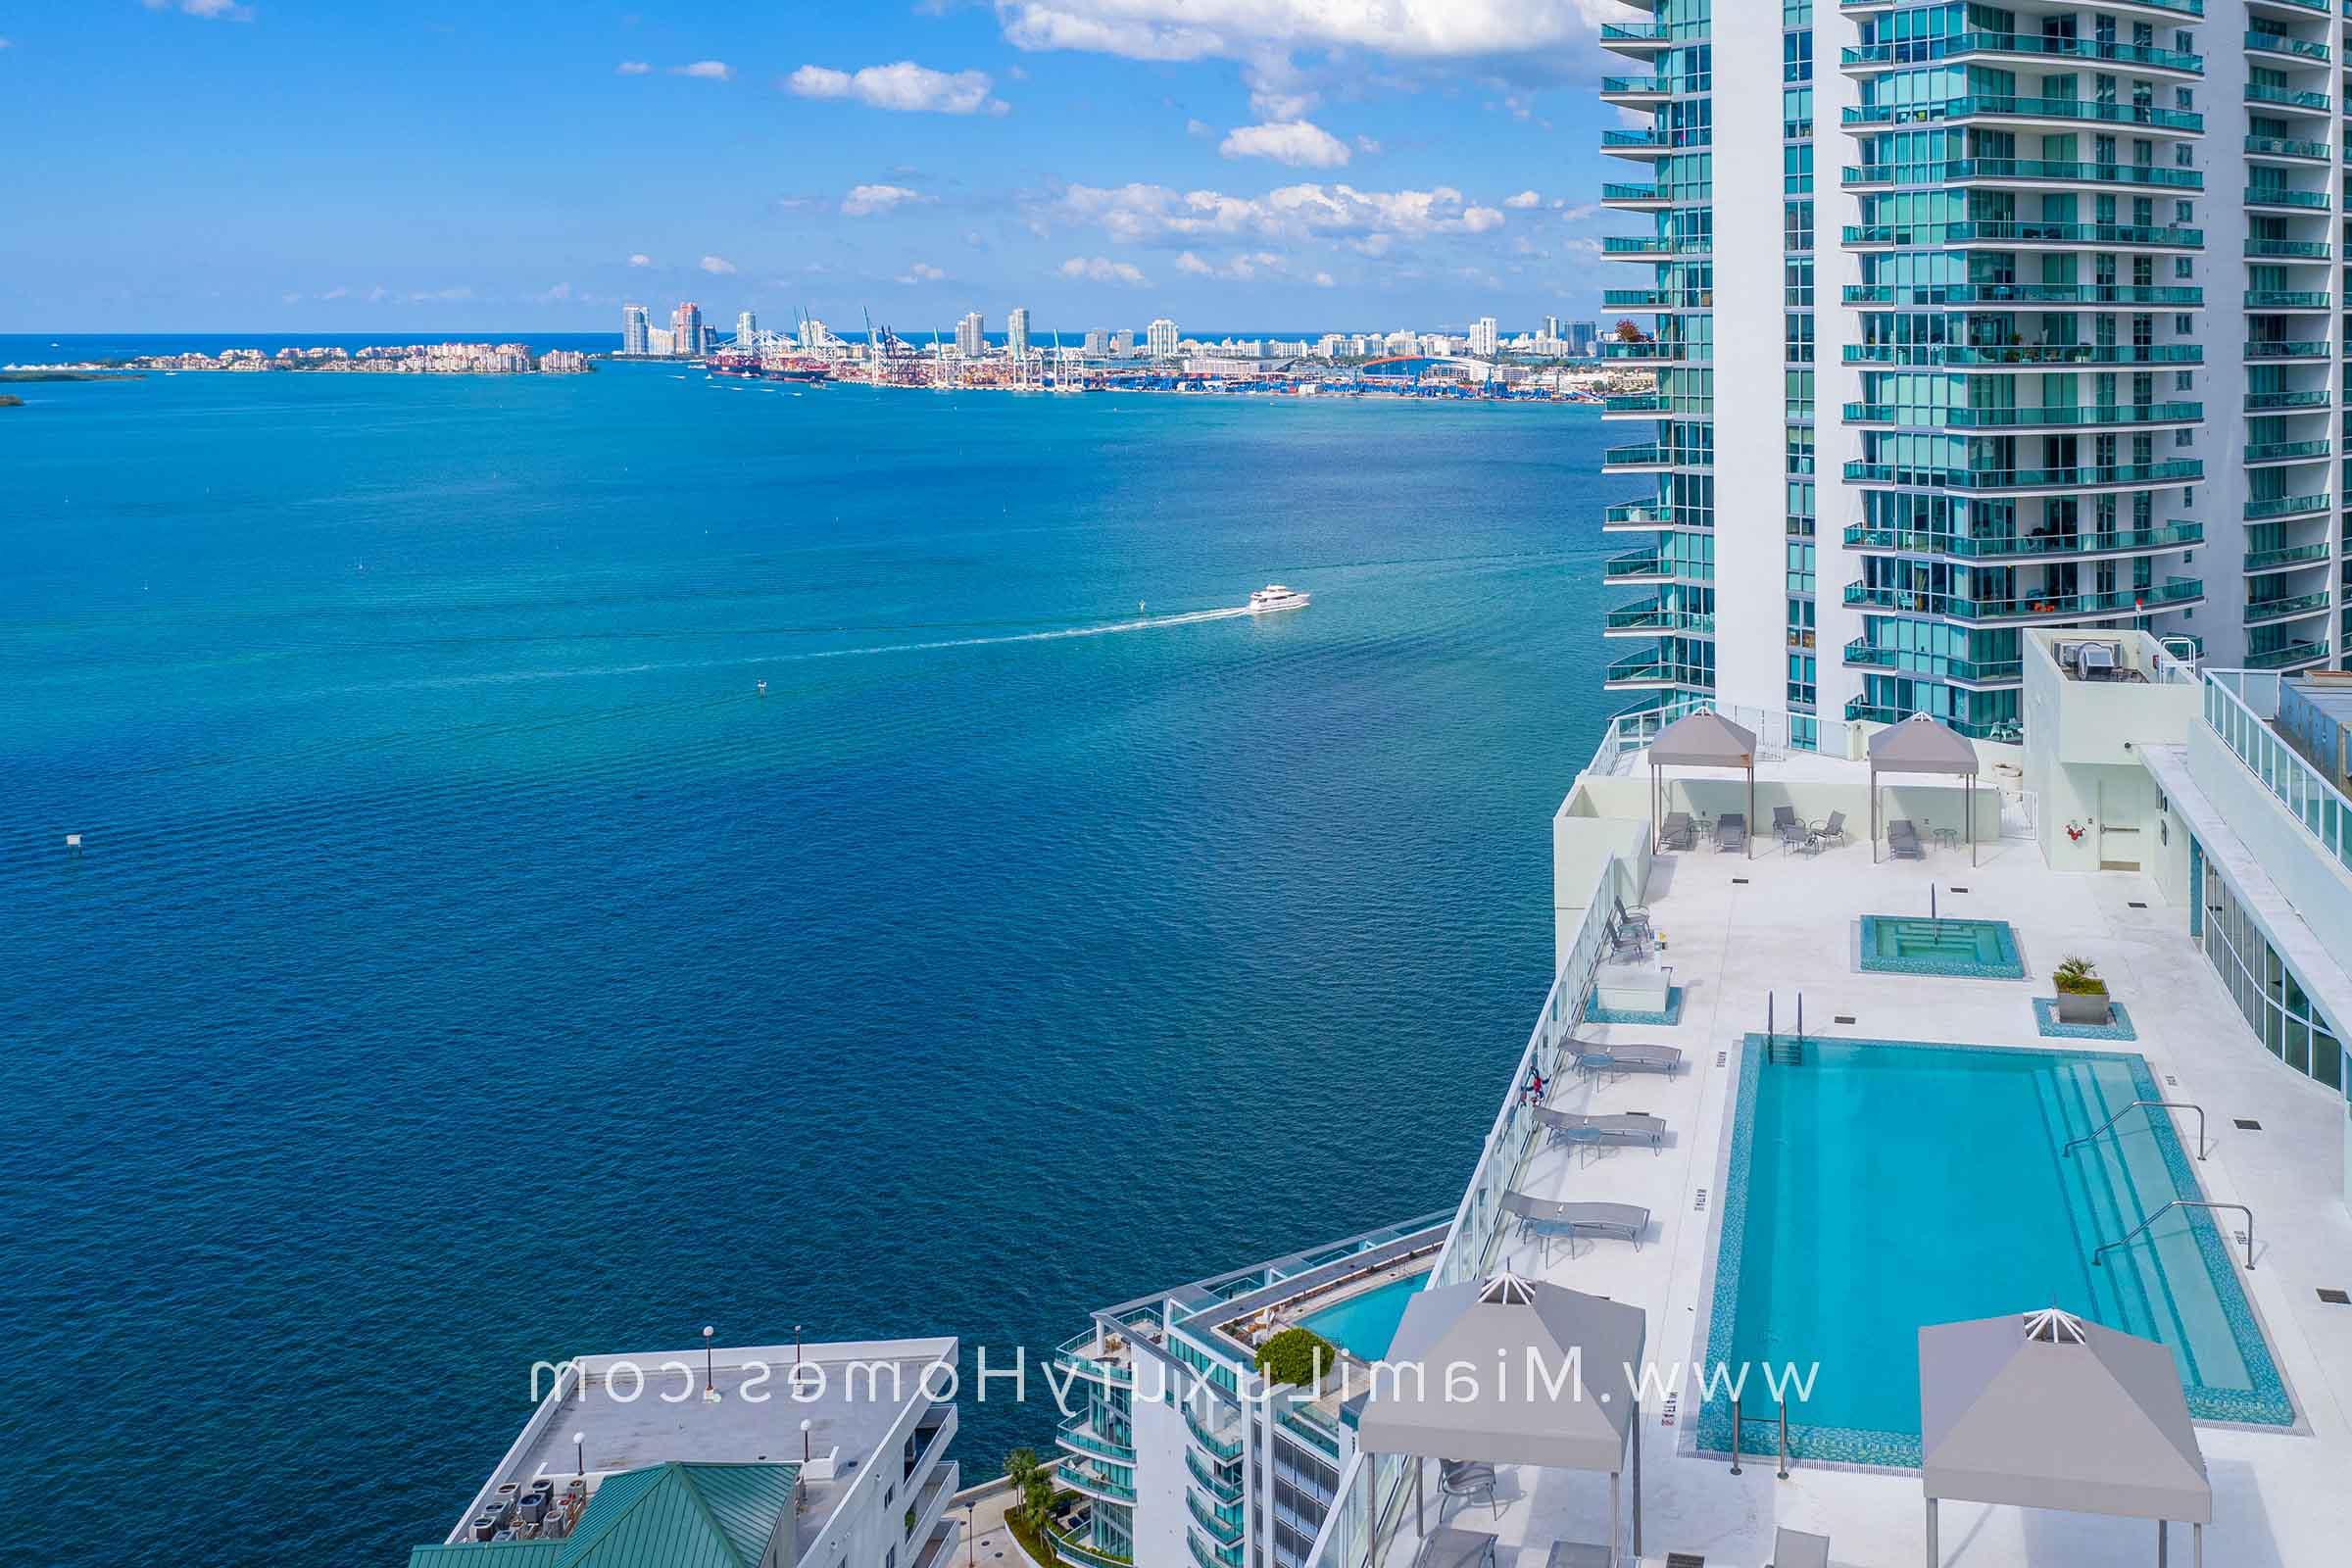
{"x": 1220, "y": 1528}
{"x": 2006, "y": 106}
{"x": 1644, "y": 351}
{"x": 1639, "y": 563}
{"x": 2260, "y": 609}
{"x": 1952, "y": 170}
{"x": 2278, "y": 44}
{"x": 1921, "y": 51}
{"x": 1644, "y": 32}
{"x": 1959, "y": 607}
{"x": 1612, "y": 192}
{"x": 1638, "y": 515}
{"x": 2025, "y": 417}
{"x": 1652, "y": 669}
{"x": 1085, "y": 1556}
{"x": 2290, "y": 250}
{"x": 2287, "y": 299}
{"x": 1646, "y": 403}
{"x": 2024, "y": 354}
{"x": 2262, "y": 92}
{"x": 1093, "y": 1482}
{"x": 1654, "y": 245}
{"x": 1626, "y": 87}
{"x": 2013, "y": 231}
{"x": 1862, "y": 655}
{"x": 2288, "y": 147}
{"x": 2028, "y": 294}
{"x": 1207, "y": 1554}
{"x": 2281, "y": 196}
{"x": 1072, "y": 1353}
{"x": 1224, "y": 1490}
{"x": 2171, "y": 536}
{"x": 2284, "y": 506}
{"x": 2285, "y": 556}
{"x": 2314, "y": 398}
{"x": 1076, "y": 1433}
{"x": 2238, "y": 707}
{"x": 2288, "y": 349}
{"x": 1648, "y": 454}
{"x": 1656, "y": 618}
{"x": 2286, "y": 654}
{"x": 2176, "y": 471}
{"x": 1858, "y": 711}
{"x": 1222, "y": 1447}
{"x": 2287, "y": 451}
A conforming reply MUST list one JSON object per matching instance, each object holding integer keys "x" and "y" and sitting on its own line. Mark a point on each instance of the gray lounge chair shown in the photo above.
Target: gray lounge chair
{"x": 1615, "y": 1061}
{"x": 1638, "y": 918}
{"x": 1834, "y": 830}
{"x": 1678, "y": 831}
{"x": 1731, "y": 831}
{"x": 1625, "y": 941}
{"x": 1623, "y": 1220}
{"x": 1902, "y": 841}
{"x": 1795, "y": 1548}
{"x": 1787, "y": 826}
{"x": 1630, "y": 1127}
{"x": 1465, "y": 1479}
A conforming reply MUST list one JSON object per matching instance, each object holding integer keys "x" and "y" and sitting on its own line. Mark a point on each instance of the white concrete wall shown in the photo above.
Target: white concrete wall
{"x": 1159, "y": 1476}
{"x": 1835, "y": 383}
{"x": 2081, "y": 760}
{"x": 1750, "y": 534}
{"x": 2319, "y": 889}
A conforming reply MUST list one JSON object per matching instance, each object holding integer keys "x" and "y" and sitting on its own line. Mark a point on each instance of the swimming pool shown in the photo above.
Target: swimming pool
{"x": 1878, "y": 1186}
{"x": 1365, "y": 1325}
{"x": 1969, "y": 950}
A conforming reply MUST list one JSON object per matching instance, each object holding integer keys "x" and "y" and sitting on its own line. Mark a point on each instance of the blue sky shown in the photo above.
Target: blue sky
{"x": 210, "y": 166}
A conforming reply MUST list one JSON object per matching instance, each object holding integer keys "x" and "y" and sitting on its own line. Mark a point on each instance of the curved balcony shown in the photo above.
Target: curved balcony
{"x": 2287, "y": 558}
{"x": 2174, "y": 593}
{"x": 2269, "y": 509}
{"x": 2026, "y": 419}
{"x": 1081, "y": 1439}
{"x": 2261, "y": 248}
{"x": 2075, "y": 545}
{"x": 2014, "y": 234}
{"x": 2022, "y": 356}
{"x": 1080, "y": 1555}
{"x": 1652, "y": 619}
{"x": 1860, "y": 655}
{"x": 2286, "y": 656}
{"x": 2288, "y": 150}
{"x": 2032, "y": 47}
{"x": 2015, "y": 481}
{"x": 1085, "y": 1478}
{"x": 1970, "y": 296}
{"x": 2012, "y": 106}
{"x": 1858, "y": 711}
{"x": 1071, "y": 1353}
{"x": 2291, "y": 607}
{"x": 1635, "y": 568}
{"x": 1223, "y": 1530}
{"x": 1653, "y": 247}
{"x": 1631, "y": 516}
{"x": 1649, "y": 672}
{"x": 2271, "y": 41}
{"x": 2290, "y": 301}
{"x": 1227, "y": 1448}
{"x": 2264, "y": 453}
{"x": 1209, "y": 1479}
{"x": 2283, "y": 199}
{"x": 2289, "y": 100}
{"x": 1205, "y": 1556}
{"x": 1997, "y": 172}
{"x": 1651, "y": 145}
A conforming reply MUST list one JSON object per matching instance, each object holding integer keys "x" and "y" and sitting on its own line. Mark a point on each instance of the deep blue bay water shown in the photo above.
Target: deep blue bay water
{"x": 468, "y": 966}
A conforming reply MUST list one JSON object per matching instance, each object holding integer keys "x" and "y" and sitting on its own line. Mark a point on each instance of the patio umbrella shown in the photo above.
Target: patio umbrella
{"x": 1704, "y": 739}
{"x": 1542, "y": 1380}
{"x": 1923, "y": 744}
{"x": 2052, "y": 1411}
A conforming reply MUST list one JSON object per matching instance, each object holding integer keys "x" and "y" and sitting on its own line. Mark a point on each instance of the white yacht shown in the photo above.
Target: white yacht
{"x": 1274, "y": 596}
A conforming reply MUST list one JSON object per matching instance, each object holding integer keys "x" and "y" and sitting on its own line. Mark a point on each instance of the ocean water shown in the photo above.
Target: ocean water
{"x": 467, "y": 965}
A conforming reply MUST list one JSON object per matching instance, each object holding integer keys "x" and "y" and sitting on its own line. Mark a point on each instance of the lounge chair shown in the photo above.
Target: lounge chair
{"x": 1834, "y": 830}
{"x": 1465, "y": 1479}
{"x": 1794, "y": 1549}
{"x": 1902, "y": 841}
{"x": 1630, "y": 1127}
{"x": 1615, "y": 1061}
{"x": 1731, "y": 831}
{"x": 1623, "y": 1220}
{"x": 1678, "y": 831}
{"x": 1625, "y": 941}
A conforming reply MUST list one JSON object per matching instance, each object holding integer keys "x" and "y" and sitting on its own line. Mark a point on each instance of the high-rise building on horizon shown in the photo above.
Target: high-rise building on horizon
{"x": 2050, "y": 342}
{"x": 1016, "y": 332}
{"x": 1582, "y": 339}
{"x": 747, "y": 328}
{"x": 633, "y": 329}
{"x": 1122, "y": 340}
{"x": 971, "y": 337}
{"x": 1159, "y": 338}
{"x": 1483, "y": 337}
{"x": 686, "y": 328}
{"x": 1097, "y": 341}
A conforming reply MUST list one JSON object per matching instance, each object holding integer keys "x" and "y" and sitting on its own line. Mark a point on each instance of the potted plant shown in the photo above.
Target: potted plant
{"x": 1298, "y": 1355}
{"x": 2082, "y": 994}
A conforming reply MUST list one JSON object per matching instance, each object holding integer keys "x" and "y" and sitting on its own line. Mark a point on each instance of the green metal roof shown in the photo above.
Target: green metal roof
{"x": 680, "y": 1515}
{"x": 674, "y": 1515}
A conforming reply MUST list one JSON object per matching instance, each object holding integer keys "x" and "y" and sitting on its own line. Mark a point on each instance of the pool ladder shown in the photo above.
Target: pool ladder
{"x": 2161, "y": 1104}
{"x": 2182, "y": 1203}
{"x": 1791, "y": 1053}
{"x": 1783, "y": 1472}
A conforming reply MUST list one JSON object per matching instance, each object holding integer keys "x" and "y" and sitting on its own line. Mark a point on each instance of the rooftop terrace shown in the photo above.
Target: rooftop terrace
{"x": 1746, "y": 939}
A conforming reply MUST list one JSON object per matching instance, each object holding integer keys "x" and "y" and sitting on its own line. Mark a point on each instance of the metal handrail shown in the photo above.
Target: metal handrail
{"x": 2183, "y": 1203}
{"x": 2167, "y": 1105}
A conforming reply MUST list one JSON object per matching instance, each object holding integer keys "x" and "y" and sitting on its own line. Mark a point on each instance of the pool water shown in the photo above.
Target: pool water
{"x": 1978, "y": 949}
{"x": 1365, "y": 1325}
{"x": 1876, "y": 1187}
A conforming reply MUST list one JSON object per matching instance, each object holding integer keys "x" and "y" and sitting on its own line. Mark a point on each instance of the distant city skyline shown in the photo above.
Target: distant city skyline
{"x": 1418, "y": 162}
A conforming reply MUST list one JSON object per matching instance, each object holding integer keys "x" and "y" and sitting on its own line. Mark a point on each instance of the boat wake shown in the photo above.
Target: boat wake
{"x": 1145, "y": 623}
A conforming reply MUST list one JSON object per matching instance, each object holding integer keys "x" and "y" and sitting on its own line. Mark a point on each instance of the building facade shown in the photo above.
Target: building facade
{"x": 635, "y": 329}
{"x": 1484, "y": 336}
{"x": 747, "y": 329}
{"x": 971, "y": 337}
{"x": 686, "y": 328}
{"x": 1159, "y": 338}
{"x": 1016, "y": 332}
{"x": 2052, "y": 341}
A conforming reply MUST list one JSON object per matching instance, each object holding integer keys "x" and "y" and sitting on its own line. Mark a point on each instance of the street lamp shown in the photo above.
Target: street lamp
{"x": 709, "y": 1378}
{"x": 579, "y": 1452}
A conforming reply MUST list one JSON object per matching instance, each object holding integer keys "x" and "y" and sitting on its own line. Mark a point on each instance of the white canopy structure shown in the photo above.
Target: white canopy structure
{"x": 1922, "y": 744}
{"x": 1704, "y": 739}
{"x": 2050, "y": 1411}
{"x": 1545, "y": 1383}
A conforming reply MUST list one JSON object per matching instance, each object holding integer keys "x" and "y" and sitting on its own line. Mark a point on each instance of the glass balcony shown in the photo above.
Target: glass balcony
{"x": 1226, "y": 1532}
{"x": 1861, "y": 655}
{"x": 1071, "y": 1353}
{"x": 2271, "y": 41}
{"x": 1637, "y": 87}
{"x": 1635, "y": 563}
{"x": 1657, "y": 299}
{"x": 2268, "y": 506}
{"x": 1217, "y": 1486}
{"x": 2287, "y": 451}
{"x": 1646, "y": 403}
{"x": 1921, "y": 51}
{"x": 2287, "y": 299}
{"x": 1617, "y": 195}
{"x": 2178, "y": 471}
{"x": 1859, "y": 712}
{"x": 1074, "y": 1434}
{"x": 2029, "y": 547}
{"x": 2289, "y": 250}
{"x": 1636, "y": 515}
{"x": 2171, "y": 592}
{"x": 1666, "y": 353}
{"x": 1652, "y": 617}
{"x": 2288, "y": 348}
{"x": 2004, "y": 106}
{"x": 1993, "y": 231}
{"x": 1222, "y": 1447}
{"x": 1642, "y": 246}
{"x": 1958, "y": 170}
{"x": 2315, "y": 201}
{"x": 1080, "y": 1555}
{"x": 1205, "y": 1556}
{"x": 1655, "y": 143}
{"x": 1091, "y": 1481}
{"x": 2262, "y": 92}
{"x": 2285, "y": 608}
{"x": 2271, "y": 402}
{"x": 2011, "y": 418}
{"x": 2023, "y": 356}
{"x": 2285, "y": 556}
{"x": 1651, "y": 669}
{"x": 2302, "y": 653}
{"x": 2022, "y": 294}
{"x": 2288, "y": 147}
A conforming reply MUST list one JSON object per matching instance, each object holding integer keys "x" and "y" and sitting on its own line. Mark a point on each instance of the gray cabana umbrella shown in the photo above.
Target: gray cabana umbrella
{"x": 1704, "y": 739}
{"x": 1511, "y": 1340}
{"x": 1922, "y": 744}
{"x": 2050, "y": 1411}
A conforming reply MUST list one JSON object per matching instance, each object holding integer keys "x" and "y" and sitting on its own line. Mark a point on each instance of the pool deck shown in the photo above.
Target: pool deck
{"x": 2280, "y": 1497}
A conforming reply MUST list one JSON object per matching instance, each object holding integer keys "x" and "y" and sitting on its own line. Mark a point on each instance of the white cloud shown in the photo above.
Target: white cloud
{"x": 922, "y": 272}
{"x": 335, "y": 293}
{"x": 904, "y": 87}
{"x": 1102, "y": 269}
{"x": 1300, "y": 143}
{"x": 378, "y": 294}
{"x": 1321, "y": 281}
{"x": 432, "y": 294}
{"x": 1524, "y": 199}
{"x": 208, "y": 9}
{"x": 719, "y": 266}
{"x": 1248, "y": 267}
{"x": 863, "y": 200}
{"x": 291, "y": 299}
{"x": 1143, "y": 213}
{"x": 1366, "y": 144}
{"x": 641, "y": 260}
{"x": 707, "y": 70}
{"x": 1198, "y": 127}
{"x": 556, "y": 295}
{"x": 633, "y": 67}
{"x": 4, "y": 43}
{"x": 1194, "y": 29}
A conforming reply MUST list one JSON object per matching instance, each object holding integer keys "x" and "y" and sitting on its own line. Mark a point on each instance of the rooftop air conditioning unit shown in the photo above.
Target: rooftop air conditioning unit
{"x": 2098, "y": 661}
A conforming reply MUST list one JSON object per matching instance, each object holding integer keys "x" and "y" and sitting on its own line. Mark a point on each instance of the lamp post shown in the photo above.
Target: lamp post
{"x": 709, "y": 1377}
{"x": 579, "y": 1452}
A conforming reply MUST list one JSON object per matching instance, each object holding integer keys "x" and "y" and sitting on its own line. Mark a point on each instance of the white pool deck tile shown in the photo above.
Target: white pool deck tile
{"x": 2283, "y": 1498}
